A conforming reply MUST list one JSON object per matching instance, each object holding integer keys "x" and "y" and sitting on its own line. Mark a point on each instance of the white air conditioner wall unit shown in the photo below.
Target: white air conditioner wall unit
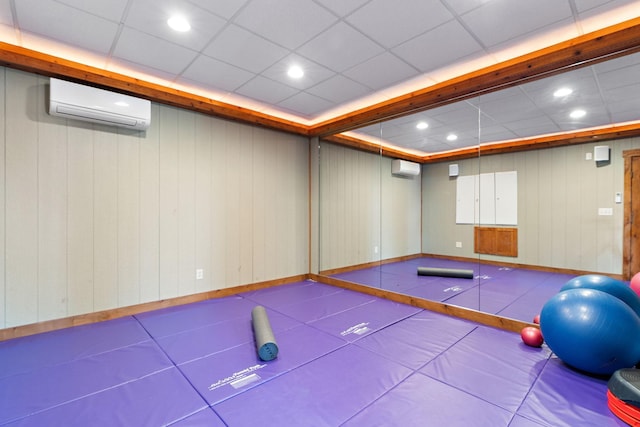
{"x": 76, "y": 101}
{"x": 405, "y": 168}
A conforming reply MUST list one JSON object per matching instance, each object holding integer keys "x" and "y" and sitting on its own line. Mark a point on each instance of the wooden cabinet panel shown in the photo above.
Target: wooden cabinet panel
{"x": 496, "y": 241}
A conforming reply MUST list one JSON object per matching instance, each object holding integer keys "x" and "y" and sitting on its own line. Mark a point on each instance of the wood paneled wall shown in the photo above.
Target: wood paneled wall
{"x": 366, "y": 214}
{"x": 95, "y": 217}
{"x": 559, "y": 194}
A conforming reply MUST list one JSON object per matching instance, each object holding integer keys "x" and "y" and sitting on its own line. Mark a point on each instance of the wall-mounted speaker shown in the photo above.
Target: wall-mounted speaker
{"x": 601, "y": 153}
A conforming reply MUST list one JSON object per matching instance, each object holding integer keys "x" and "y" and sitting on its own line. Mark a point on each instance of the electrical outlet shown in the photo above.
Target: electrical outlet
{"x": 375, "y": 249}
{"x": 458, "y": 244}
{"x": 199, "y": 274}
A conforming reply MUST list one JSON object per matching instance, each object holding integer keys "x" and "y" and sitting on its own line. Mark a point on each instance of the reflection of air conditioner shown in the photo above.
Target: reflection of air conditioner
{"x": 75, "y": 101}
{"x": 405, "y": 168}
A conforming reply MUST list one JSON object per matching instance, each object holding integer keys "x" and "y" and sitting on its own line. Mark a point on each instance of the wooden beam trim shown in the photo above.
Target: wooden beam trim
{"x": 616, "y": 40}
{"x": 438, "y": 307}
{"x": 36, "y": 62}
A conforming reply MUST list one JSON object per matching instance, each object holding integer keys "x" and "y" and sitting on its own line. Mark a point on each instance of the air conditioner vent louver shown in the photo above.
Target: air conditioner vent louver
{"x": 75, "y": 101}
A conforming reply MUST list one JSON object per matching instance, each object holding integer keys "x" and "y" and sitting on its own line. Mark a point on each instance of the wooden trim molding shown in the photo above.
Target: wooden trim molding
{"x": 438, "y": 307}
{"x": 29, "y": 60}
{"x": 99, "y": 316}
{"x": 631, "y": 207}
{"x": 607, "y": 43}
{"x": 604, "y": 44}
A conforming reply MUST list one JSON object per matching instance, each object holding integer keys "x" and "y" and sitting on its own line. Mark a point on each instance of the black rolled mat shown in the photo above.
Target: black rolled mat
{"x": 445, "y": 272}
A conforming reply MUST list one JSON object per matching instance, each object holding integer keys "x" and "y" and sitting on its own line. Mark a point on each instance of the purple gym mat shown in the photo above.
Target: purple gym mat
{"x": 325, "y": 392}
{"x": 510, "y": 292}
{"x": 491, "y": 364}
{"x": 326, "y": 305}
{"x": 562, "y": 397}
{"x": 173, "y": 320}
{"x": 205, "y": 417}
{"x": 43, "y": 388}
{"x": 51, "y": 348}
{"x": 231, "y": 372}
{"x": 418, "y": 339}
{"x": 365, "y": 319}
{"x": 155, "y": 400}
{"x": 438, "y": 288}
{"x": 422, "y": 401}
{"x": 345, "y": 359}
{"x": 202, "y": 341}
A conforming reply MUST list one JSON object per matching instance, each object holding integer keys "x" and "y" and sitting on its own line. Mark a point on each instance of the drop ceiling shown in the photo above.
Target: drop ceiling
{"x": 354, "y": 53}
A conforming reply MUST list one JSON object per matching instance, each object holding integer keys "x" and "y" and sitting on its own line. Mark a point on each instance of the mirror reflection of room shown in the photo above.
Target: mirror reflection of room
{"x": 541, "y": 201}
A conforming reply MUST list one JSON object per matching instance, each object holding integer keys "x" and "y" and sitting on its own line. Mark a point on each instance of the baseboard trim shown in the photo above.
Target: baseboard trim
{"x": 99, "y": 316}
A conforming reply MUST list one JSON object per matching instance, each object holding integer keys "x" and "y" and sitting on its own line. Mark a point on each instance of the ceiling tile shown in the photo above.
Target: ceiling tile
{"x": 391, "y": 23}
{"x": 216, "y": 74}
{"x": 306, "y": 104}
{"x": 265, "y": 90}
{"x": 111, "y": 10}
{"x": 496, "y": 132}
{"x": 340, "y": 47}
{"x": 243, "y": 49}
{"x": 6, "y": 16}
{"x": 288, "y": 23}
{"x": 339, "y": 89}
{"x": 463, "y": 6}
{"x": 342, "y": 7}
{"x": 381, "y": 71}
{"x": 313, "y": 73}
{"x": 141, "y": 48}
{"x": 530, "y": 126}
{"x": 500, "y": 21}
{"x": 225, "y": 9}
{"x": 53, "y": 20}
{"x": 586, "y": 5}
{"x": 137, "y": 70}
{"x": 438, "y": 47}
{"x": 150, "y": 16}
{"x": 620, "y": 77}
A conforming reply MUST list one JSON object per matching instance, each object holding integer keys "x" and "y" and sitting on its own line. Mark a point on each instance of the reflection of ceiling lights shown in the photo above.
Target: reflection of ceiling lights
{"x": 452, "y": 137}
{"x": 422, "y": 125}
{"x": 295, "y": 72}
{"x": 562, "y": 92}
{"x": 576, "y": 114}
{"x": 179, "y": 23}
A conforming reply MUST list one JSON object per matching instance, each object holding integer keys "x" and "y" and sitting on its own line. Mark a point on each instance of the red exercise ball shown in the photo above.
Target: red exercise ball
{"x": 531, "y": 336}
{"x": 536, "y": 319}
{"x": 635, "y": 283}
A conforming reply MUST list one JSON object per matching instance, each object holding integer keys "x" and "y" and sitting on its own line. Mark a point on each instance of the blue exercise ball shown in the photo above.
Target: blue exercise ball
{"x": 591, "y": 330}
{"x": 607, "y": 284}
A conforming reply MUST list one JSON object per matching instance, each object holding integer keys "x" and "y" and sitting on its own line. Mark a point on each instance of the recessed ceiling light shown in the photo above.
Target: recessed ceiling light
{"x": 422, "y": 125}
{"x": 179, "y": 23}
{"x": 576, "y": 114}
{"x": 452, "y": 137}
{"x": 295, "y": 72}
{"x": 562, "y": 92}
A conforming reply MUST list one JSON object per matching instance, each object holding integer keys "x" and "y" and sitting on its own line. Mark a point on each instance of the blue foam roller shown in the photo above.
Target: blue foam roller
{"x": 265, "y": 340}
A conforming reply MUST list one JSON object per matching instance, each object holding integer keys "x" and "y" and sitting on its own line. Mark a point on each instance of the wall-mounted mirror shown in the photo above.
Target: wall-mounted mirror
{"x": 521, "y": 197}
